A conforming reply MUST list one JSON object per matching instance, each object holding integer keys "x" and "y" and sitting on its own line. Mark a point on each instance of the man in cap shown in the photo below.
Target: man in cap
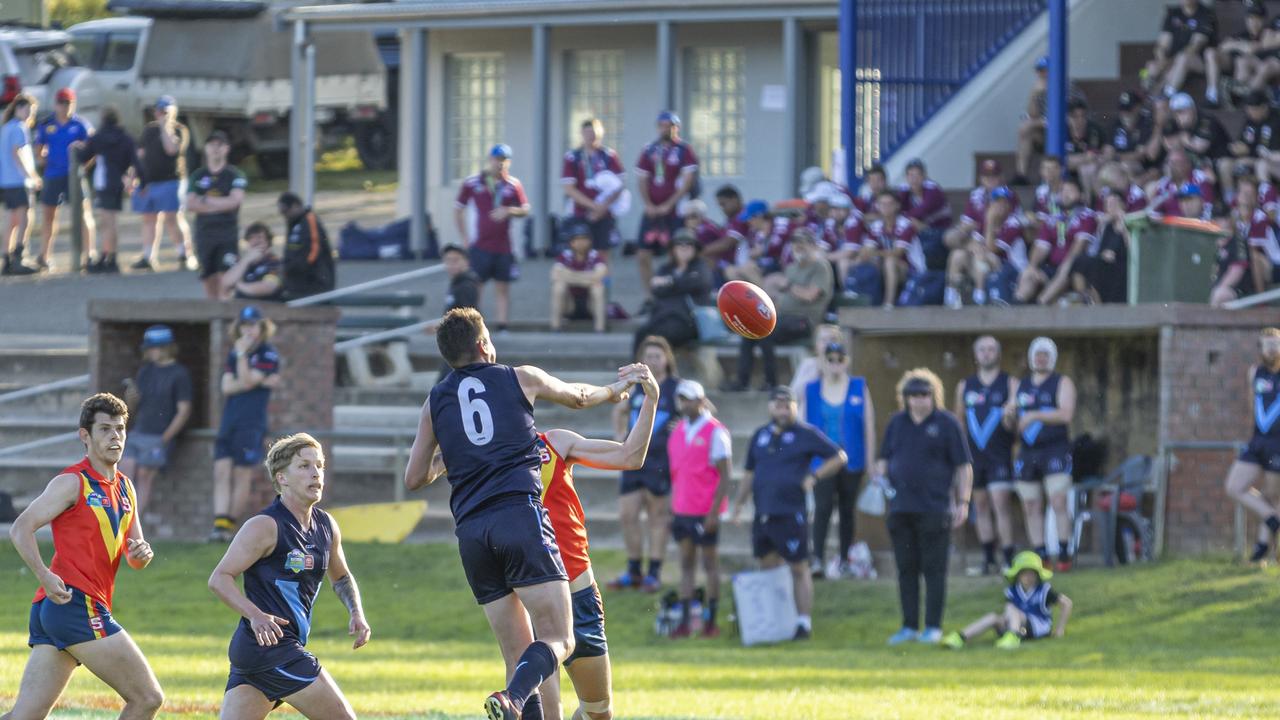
{"x": 53, "y": 144}
{"x": 998, "y": 240}
{"x": 577, "y": 280}
{"x": 1031, "y": 131}
{"x": 1083, "y": 146}
{"x": 668, "y": 171}
{"x": 990, "y": 177}
{"x": 308, "y": 257}
{"x": 497, "y": 196}
{"x": 1191, "y": 203}
{"x": 159, "y": 400}
{"x": 700, "y": 451}
{"x": 778, "y": 479}
{"x": 1200, "y": 135}
{"x": 1129, "y": 139}
{"x": 162, "y": 152}
{"x": 215, "y": 194}
{"x": 1258, "y": 141}
{"x": 1041, "y": 415}
{"x": 1179, "y": 171}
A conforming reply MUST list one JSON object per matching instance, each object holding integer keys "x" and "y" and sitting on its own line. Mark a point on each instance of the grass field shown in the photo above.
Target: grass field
{"x": 1179, "y": 639}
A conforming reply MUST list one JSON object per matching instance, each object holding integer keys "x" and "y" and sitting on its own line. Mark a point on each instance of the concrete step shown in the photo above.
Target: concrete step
{"x": 17, "y": 430}
{"x": 26, "y": 477}
{"x": 22, "y": 364}
{"x": 55, "y": 404}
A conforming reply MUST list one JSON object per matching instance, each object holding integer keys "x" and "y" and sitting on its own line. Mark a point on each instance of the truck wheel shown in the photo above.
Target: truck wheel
{"x": 273, "y": 164}
{"x": 376, "y": 145}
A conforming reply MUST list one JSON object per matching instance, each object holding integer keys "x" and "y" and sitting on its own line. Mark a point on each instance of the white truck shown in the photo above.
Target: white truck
{"x": 41, "y": 62}
{"x": 228, "y": 66}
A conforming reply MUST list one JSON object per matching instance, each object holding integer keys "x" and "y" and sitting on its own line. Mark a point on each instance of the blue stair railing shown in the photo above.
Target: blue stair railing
{"x": 914, "y": 55}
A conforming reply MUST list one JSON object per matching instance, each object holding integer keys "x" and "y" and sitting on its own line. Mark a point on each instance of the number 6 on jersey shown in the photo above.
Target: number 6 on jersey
{"x": 477, "y": 421}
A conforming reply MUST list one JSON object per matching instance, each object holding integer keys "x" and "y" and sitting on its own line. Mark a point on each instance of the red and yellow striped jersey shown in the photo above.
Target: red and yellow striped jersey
{"x": 89, "y": 537}
{"x": 560, "y": 498}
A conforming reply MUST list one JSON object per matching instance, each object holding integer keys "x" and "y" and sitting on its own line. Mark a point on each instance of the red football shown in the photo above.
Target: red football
{"x": 746, "y": 309}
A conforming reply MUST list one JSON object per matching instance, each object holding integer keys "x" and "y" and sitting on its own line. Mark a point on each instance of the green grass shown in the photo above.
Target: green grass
{"x": 1179, "y": 639}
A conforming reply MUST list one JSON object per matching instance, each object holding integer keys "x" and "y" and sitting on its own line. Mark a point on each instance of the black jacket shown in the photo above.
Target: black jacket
{"x": 308, "y": 258}
{"x": 692, "y": 284}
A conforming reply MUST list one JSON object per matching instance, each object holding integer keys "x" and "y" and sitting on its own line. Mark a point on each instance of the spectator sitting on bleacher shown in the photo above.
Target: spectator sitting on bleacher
{"x": 1191, "y": 203}
{"x": 1130, "y": 138}
{"x": 1100, "y": 274}
{"x": 1250, "y": 55}
{"x": 715, "y": 242}
{"x": 923, "y": 201}
{"x": 1187, "y": 40}
{"x": 1238, "y": 273}
{"x": 1200, "y": 136}
{"x": 1048, "y": 192}
{"x": 1061, "y": 240}
{"x": 874, "y": 182}
{"x": 997, "y": 240}
{"x": 1250, "y": 220}
{"x": 972, "y": 221}
{"x": 760, "y": 252}
{"x": 308, "y": 257}
{"x": 1114, "y": 179}
{"x": 1031, "y": 131}
{"x": 800, "y": 296}
{"x": 1178, "y": 172}
{"x": 256, "y": 275}
{"x": 845, "y": 234}
{"x": 680, "y": 284}
{"x": 1083, "y": 145}
{"x": 577, "y": 280}
{"x": 1259, "y": 139}
{"x": 887, "y": 243}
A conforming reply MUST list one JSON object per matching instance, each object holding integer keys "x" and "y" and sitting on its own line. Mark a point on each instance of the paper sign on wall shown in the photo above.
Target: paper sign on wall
{"x": 773, "y": 97}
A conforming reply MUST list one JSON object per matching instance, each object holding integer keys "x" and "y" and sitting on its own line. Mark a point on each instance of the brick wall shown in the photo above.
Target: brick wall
{"x": 181, "y": 504}
{"x": 1199, "y": 517}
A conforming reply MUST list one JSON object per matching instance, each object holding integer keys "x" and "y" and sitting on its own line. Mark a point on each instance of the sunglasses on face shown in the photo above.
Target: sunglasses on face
{"x": 835, "y": 358}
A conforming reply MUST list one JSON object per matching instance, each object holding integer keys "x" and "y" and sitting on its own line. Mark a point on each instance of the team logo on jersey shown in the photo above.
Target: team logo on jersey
{"x": 297, "y": 561}
{"x": 855, "y": 400}
{"x": 1263, "y": 386}
{"x": 931, "y": 430}
{"x": 98, "y": 500}
{"x": 763, "y": 438}
{"x": 788, "y": 438}
{"x": 1026, "y": 399}
{"x": 972, "y": 398}
{"x": 50, "y": 129}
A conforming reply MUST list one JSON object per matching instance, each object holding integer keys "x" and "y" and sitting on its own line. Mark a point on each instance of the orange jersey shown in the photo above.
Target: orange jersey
{"x": 89, "y": 537}
{"x": 560, "y": 499}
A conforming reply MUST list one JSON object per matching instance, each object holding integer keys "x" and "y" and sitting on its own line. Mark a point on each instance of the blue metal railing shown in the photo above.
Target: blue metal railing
{"x": 909, "y": 58}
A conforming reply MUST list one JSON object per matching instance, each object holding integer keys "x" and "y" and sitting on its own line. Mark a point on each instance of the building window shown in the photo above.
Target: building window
{"x": 716, "y": 95}
{"x": 475, "y": 109}
{"x": 594, "y": 90}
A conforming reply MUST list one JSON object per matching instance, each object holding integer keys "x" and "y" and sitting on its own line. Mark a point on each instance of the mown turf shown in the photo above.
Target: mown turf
{"x": 1179, "y": 639}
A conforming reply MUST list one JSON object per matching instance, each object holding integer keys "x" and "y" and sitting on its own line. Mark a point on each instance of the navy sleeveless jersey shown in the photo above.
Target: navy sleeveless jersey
{"x": 284, "y": 583}
{"x": 484, "y": 424}
{"x": 1266, "y": 403}
{"x": 989, "y": 440}
{"x": 655, "y": 462}
{"x": 1032, "y": 397}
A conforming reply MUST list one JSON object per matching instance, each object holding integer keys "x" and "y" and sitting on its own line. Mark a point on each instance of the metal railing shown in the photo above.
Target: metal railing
{"x": 911, "y": 56}
{"x": 43, "y": 388}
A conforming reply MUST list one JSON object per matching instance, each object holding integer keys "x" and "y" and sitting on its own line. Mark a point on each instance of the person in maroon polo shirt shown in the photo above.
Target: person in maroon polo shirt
{"x": 590, "y": 202}
{"x": 668, "y": 170}
{"x": 577, "y": 280}
{"x": 923, "y": 201}
{"x": 497, "y": 197}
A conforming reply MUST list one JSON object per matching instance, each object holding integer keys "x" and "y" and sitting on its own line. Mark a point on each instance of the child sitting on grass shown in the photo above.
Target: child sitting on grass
{"x": 1027, "y": 612}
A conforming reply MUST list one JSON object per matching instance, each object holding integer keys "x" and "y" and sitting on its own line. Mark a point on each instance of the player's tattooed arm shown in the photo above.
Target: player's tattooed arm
{"x": 347, "y": 591}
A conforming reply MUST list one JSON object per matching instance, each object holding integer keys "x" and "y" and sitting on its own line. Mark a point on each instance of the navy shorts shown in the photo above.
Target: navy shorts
{"x": 1263, "y": 452}
{"x": 111, "y": 199}
{"x": 148, "y": 450}
{"x": 292, "y": 672}
{"x": 216, "y": 254}
{"x": 588, "y": 625}
{"x": 241, "y": 443}
{"x": 691, "y": 527}
{"x": 507, "y": 544}
{"x": 81, "y": 620}
{"x": 604, "y": 232}
{"x": 786, "y": 535}
{"x": 157, "y": 197}
{"x": 54, "y": 191}
{"x": 1036, "y": 464}
{"x": 656, "y": 482}
{"x": 656, "y": 232}
{"x": 15, "y": 198}
{"x": 988, "y": 472}
{"x": 500, "y": 267}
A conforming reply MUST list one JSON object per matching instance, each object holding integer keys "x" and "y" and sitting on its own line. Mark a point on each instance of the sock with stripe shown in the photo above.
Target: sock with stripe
{"x": 535, "y": 665}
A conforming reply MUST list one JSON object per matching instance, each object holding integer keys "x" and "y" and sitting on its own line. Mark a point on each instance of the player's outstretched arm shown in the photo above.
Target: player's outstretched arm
{"x": 254, "y": 541}
{"x": 417, "y": 472}
{"x": 537, "y": 384}
{"x": 57, "y": 498}
{"x": 344, "y": 586}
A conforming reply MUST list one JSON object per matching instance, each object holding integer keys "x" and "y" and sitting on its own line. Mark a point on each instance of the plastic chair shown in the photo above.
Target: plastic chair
{"x": 1130, "y": 477}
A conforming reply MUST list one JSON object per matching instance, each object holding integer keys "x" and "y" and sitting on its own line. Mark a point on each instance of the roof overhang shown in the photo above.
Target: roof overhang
{"x": 491, "y": 14}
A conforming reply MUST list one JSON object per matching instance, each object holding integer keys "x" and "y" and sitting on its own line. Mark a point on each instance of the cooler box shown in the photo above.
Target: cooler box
{"x": 1171, "y": 259}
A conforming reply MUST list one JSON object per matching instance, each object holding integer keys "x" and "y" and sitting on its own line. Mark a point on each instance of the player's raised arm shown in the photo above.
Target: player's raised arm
{"x": 59, "y": 496}
{"x": 538, "y": 384}
{"x": 417, "y": 472}
{"x": 256, "y": 539}
{"x": 609, "y": 454}
{"x": 344, "y": 586}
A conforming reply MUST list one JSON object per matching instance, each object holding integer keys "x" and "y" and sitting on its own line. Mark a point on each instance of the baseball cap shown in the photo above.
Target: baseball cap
{"x": 916, "y": 163}
{"x": 501, "y": 150}
{"x": 577, "y": 228}
{"x": 1042, "y": 62}
{"x": 156, "y": 336}
{"x": 1189, "y": 190}
{"x": 840, "y": 200}
{"x": 990, "y": 166}
{"x": 1004, "y": 192}
{"x": 668, "y": 116}
{"x": 1127, "y": 101}
{"x": 218, "y": 136}
{"x": 684, "y": 236}
{"x": 1255, "y": 7}
{"x": 834, "y": 347}
{"x": 782, "y": 392}
{"x": 690, "y": 390}
{"x": 1078, "y": 103}
{"x": 1256, "y": 98}
{"x": 250, "y": 313}
{"x": 65, "y": 95}
{"x": 755, "y": 208}
{"x": 164, "y": 102}
{"x": 917, "y": 386}
{"x": 1181, "y": 101}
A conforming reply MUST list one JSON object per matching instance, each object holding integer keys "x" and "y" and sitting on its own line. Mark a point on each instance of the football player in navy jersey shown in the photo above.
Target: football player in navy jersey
{"x": 1260, "y": 459}
{"x": 285, "y": 553}
{"x": 481, "y": 418}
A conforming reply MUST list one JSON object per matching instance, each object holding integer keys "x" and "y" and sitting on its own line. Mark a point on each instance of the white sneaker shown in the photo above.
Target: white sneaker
{"x": 979, "y": 296}
{"x": 832, "y": 570}
{"x": 951, "y": 298}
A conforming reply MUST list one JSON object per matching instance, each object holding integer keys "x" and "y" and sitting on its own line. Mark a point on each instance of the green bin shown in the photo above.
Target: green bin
{"x": 1170, "y": 263}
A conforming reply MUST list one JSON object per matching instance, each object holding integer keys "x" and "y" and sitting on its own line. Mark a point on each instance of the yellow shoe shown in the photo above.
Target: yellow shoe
{"x": 953, "y": 640}
{"x": 1009, "y": 641}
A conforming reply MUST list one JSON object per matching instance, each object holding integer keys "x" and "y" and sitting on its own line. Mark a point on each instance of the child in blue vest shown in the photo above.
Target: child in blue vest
{"x": 1028, "y": 608}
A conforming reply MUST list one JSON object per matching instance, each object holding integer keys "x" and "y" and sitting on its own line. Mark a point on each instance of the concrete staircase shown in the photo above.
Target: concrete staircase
{"x": 26, "y": 363}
